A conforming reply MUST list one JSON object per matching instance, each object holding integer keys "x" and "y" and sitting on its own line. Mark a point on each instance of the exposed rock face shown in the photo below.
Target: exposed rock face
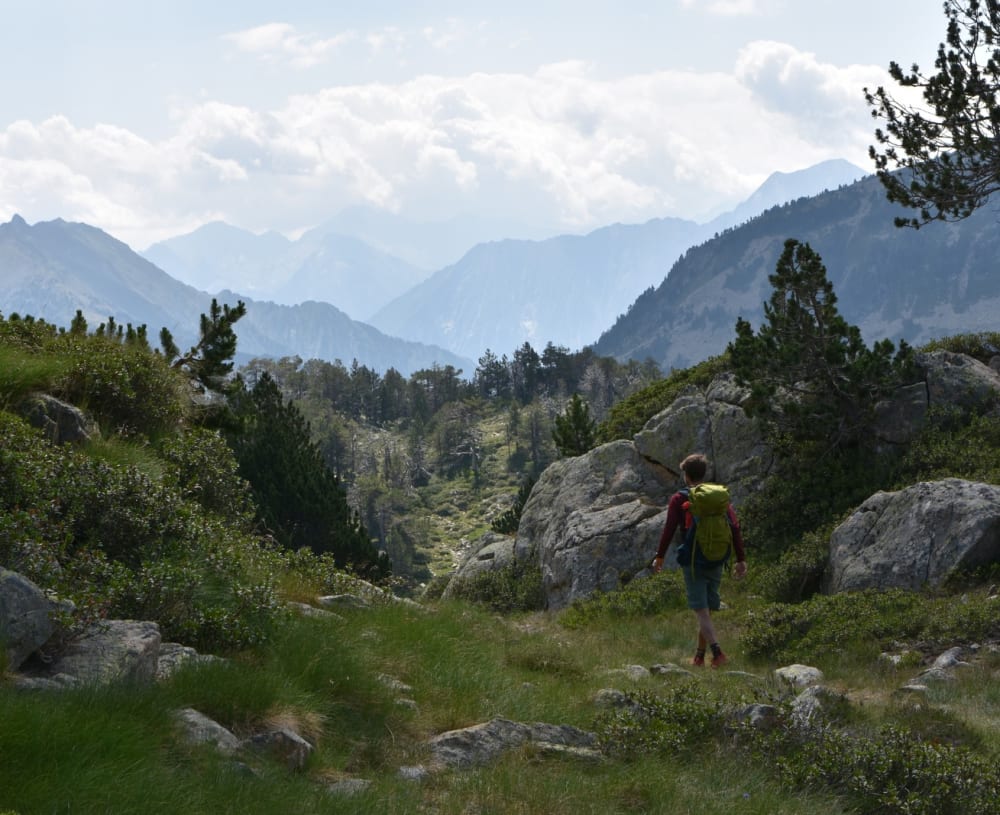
{"x": 110, "y": 651}
{"x": 916, "y": 536}
{"x": 25, "y": 617}
{"x": 63, "y": 423}
{"x": 712, "y": 422}
{"x": 483, "y": 743}
{"x": 492, "y": 551}
{"x": 592, "y": 519}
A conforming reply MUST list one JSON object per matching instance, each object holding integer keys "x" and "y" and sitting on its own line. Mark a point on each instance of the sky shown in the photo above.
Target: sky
{"x": 149, "y": 118}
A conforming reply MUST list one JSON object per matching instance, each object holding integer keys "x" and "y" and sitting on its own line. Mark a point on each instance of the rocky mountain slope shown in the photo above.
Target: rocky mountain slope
{"x": 51, "y": 269}
{"x": 893, "y": 283}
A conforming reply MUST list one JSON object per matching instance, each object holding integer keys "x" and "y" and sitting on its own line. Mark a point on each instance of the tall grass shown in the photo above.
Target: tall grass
{"x": 117, "y": 750}
{"x": 22, "y": 373}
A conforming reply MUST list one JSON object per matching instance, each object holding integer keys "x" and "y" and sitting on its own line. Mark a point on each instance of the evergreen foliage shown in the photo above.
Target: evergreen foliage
{"x": 509, "y": 520}
{"x": 298, "y": 498}
{"x": 211, "y": 359}
{"x": 811, "y": 375}
{"x": 575, "y": 431}
{"x": 949, "y": 149}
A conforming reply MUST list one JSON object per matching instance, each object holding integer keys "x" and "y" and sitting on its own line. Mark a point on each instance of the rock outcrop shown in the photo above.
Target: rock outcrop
{"x": 915, "y": 537}
{"x": 25, "y": 617}
{"x": 593, "y": 522}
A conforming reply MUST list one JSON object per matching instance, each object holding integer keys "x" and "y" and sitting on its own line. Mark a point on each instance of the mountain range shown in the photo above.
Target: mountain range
{"x": 51, "y": 269}
{"x": 917, "y": 285}
{"x": 565, "y": 289}
{"x": 893, "y": 283}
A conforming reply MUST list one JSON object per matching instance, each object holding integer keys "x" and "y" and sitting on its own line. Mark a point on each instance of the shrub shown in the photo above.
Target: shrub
{"x": 128, "y": 389}
{"x": 798, "y": 573}
{"x": 668, "y": 724}
{"x": 983, "y": 345}
{"x": 630, "y": 415}
{"x": 115, "y": 541}
{"x": 954, "y": 445}
{"x": 514, "y": 587}
{"x": 638, "y": 598}
{"x": 816, "y": 629}
{"x": 889, "y": 771}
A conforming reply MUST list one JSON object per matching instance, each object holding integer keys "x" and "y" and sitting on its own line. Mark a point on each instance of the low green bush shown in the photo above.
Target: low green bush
{"x": 797, "y": 574}
{"x": 983, "y": 345}
{"x": 638, "y": 598}
{"x": 669, "y": 723}
{"x": 886, "y": 772}
{"x": 514, "y": 587}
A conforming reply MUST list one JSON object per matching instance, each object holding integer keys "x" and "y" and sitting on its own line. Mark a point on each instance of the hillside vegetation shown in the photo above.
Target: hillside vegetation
{"x": 193, "y": 511}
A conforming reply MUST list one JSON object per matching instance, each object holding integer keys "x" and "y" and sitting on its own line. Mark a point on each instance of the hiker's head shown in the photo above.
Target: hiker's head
{"x": 694, "y": 468}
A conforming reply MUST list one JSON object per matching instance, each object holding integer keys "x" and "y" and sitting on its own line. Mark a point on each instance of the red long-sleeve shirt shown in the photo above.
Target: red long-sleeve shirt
{"x": 675, "y": 518}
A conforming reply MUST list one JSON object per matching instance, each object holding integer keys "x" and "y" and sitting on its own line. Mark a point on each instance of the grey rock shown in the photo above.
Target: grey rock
{"x": 413, "y": 773}
{"x": 306, "y": 610}
{"x": 199, "y": 729}
{"x": 912, "y": 689}
{"x": 281, "y": 744}
{"x": 112, "y": 651}
{"x": 62, "y": 423}
{"x": 669, "y": 669}
{"x": 484, "y": 743}
{"x": 813, "y": 702}
{"x": 960, "y": 380}
{"x": 344, "y": 601}
{"x": 759, "y": 717}
{"x": 491, "y": 552}
{"x": 173, "y": 656}
{"x": 915, "y": 537}
{"x": 25, "y": 617}
{"x": 349, "y": 787}
{"x": 799, "y": 676}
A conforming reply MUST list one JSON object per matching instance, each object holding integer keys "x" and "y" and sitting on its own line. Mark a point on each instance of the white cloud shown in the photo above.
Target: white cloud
{"x": 559, "y": 147}
{"x": 726, "y": 8}
{"x": 274, "y": 42}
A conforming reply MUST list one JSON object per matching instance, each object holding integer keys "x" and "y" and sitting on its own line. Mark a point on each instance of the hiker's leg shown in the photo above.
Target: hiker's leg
{"x": 706, "y": 631}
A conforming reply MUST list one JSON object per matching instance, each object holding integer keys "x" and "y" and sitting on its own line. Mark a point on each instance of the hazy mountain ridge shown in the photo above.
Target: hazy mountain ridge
{"x": 53, "y": 268}
{"x": 568, "y": 288}
{"x": 892, "y": 283}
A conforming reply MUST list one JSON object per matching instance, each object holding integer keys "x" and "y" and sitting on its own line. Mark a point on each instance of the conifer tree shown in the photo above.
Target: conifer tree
{"x": 810, "y": 373}
{"x": 574, "y": 430}
{"x": 299, "y": 499}
{"x": 950, "y": 146}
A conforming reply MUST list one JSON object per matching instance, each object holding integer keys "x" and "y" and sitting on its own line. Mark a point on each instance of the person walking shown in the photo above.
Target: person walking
{"x": 702, "y": 580}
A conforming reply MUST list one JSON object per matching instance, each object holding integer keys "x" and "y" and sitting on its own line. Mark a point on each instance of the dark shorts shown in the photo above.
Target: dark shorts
{"x": 703, "y": 587}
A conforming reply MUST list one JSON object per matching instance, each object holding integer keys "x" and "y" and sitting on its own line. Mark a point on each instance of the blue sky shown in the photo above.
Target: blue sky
{"x": 148, "y": 119}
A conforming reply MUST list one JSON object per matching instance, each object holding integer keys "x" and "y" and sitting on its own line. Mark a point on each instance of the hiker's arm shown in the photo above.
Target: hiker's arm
{"x": 740, "y": 568}
{"x": 669, "y": 528}
{"x": 734, "y": 522}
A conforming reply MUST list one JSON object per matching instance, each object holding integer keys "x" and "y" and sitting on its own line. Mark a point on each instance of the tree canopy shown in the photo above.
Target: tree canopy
{"x": 949, "y": 148}
{"x": 810, "y": 373}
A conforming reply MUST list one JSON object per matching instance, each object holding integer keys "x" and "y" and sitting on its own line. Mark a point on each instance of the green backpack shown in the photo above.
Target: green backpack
{"x": 708, "y": 532}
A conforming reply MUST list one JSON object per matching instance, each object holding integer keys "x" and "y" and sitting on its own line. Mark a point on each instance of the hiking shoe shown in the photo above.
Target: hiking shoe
{"x": 719, "y": 660}
{"x": 698, "y": 660}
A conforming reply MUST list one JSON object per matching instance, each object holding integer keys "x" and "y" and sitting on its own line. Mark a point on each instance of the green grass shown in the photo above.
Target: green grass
{"x": 22, "y": 373}
{"x": 116, "y": 750}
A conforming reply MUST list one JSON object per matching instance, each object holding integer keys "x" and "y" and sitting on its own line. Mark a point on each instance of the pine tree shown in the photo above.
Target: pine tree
{"x": 299, "y": 499}
{"x": 574, "y": 432}
{"x": 810, "y": 373}
{"x": 950, "y": 149}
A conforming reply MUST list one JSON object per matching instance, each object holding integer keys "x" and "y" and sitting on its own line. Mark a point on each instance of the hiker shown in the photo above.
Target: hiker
{"x": 700, "y": 578}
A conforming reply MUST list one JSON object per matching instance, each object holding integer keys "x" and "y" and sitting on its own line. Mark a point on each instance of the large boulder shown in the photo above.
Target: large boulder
{"x": 946, "y": 380}
{"x": 25, "y": 617}
{"x": 710, "y": 421}
{"x": 111, "y": 651}
{"x": 489, "y": 553}
{"x": 593, "y": 520}
{"x": 916, "y": 537}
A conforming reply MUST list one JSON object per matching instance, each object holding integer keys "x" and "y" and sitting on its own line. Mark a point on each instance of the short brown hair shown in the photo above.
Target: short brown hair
{"x": 695, "y": 466}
